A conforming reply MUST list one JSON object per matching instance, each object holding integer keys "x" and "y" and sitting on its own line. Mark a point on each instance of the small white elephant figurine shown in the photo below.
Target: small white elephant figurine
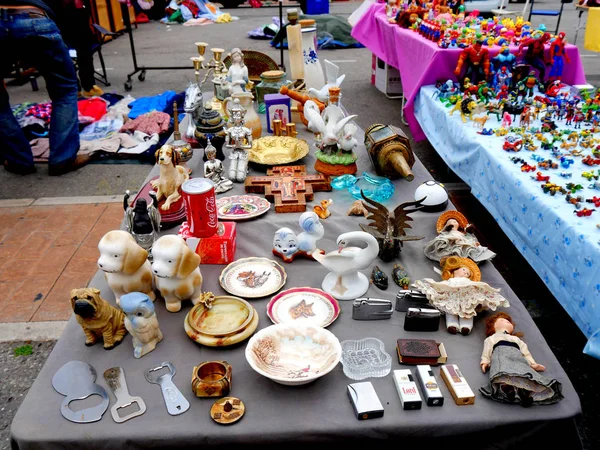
{"x": 141, "y": 322}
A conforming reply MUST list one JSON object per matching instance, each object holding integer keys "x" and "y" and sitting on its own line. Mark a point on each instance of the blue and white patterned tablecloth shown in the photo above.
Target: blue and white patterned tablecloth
{"x": 562, "y": 248}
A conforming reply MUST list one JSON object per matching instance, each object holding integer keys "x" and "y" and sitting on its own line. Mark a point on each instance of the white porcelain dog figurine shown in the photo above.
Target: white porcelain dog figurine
{"x": 176, "y": 271}
{"x": 125, "y": 265}
{"x": 141, "y": 322}
{"x": 170, "y": 178}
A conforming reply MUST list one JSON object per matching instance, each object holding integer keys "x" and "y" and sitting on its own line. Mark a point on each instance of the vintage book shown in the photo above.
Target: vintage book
{"x": 457, "y": 385}
{"x": 418, "y": 351}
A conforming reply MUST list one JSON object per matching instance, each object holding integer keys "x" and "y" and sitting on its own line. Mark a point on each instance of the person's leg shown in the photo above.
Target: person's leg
{"x": 54, "y": 63}
{"x": 83, "y": 45}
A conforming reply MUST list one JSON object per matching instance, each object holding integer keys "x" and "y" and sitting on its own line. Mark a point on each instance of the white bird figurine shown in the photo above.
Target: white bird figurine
{"x": 344, "y": 281}
{"x": 329, "y": 124}
{"x": 348, "y": 142}
{"x": 333, "y": 80}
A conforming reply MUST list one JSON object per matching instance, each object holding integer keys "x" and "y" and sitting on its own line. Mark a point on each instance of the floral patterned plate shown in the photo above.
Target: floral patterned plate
{"x": 253, "y": 277}
{"x": 304, "y": 305}
{"x": 241, "y": 207}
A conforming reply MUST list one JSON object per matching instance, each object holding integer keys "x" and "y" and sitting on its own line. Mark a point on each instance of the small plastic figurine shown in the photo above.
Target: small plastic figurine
{"x": 237, "y": 74}
{"x": 287, "y": 245}
{"x": 535, "y": 53}
{"x": 504, "y": 59}
{"x": 142, "y": 220}
{"x": 141, "y": 322}
{"x": 477, "y": 59}
{"x": 239, "y": 139}
{"x": 530, "y": 82}
{"x": 455, "y": 237}
{"x": 379, "y": 278}
{"x": 558, "y": 56}
{"x": 400, "y": 276}
{"x": 391, "y": 10}
{"x": 213, "y": 170}
{"x": 461, "y": 294}
{"x": 514, "y": 374}
{"x": 323, "y": 210}
{"x": 98, "y": 318}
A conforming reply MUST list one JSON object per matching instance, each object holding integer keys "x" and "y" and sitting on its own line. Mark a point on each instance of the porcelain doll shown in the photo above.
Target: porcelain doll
{"x": 239, "y": 139}
{"x": 514, "y": 374}
{"x": 213, "y": 170}
{"x": 461, "y": 294}
{"x": 237, "y": 75}
{"x": 141, "y": 322}
{"x": 455, "y": 238}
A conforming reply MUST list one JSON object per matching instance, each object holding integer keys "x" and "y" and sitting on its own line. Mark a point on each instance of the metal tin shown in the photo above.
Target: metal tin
{"x": 200, "y": 204}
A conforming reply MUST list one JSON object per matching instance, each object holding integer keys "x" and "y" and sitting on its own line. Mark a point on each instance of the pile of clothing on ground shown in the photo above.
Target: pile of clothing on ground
{"x": 113, "y": 128}
{"x": 195, "y": 12}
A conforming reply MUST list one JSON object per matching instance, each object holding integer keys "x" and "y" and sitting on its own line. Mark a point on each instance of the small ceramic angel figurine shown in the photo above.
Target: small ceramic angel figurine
{"x": 455, "y": 238}
{"x": 514, "y": 374}
{"x": 239, "y": 139}
{"x": 461, "y": 294}
{"x": 237, "y": 75}
{"x": 142, "y": 220}
{"x": 213, "y": 170}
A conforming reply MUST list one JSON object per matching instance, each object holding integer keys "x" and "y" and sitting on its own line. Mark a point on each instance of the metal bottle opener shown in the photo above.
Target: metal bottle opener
{"x": 115, "y": 378}
{"x": 174, "y": 400}
{"x": 76, "y": 380}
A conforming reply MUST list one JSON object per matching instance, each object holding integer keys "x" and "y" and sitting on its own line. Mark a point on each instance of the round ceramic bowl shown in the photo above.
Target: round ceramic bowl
{"x": 293, "y": 354}
{"x": 273, "y": 150}
{"x": 365, "y": 358}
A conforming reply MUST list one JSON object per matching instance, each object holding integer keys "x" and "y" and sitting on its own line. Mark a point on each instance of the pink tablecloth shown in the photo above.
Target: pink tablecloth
{"x": 422, "y": 62}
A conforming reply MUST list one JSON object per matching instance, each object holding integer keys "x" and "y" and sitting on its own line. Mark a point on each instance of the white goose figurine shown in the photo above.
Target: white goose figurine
{"x": 344, "y": 281}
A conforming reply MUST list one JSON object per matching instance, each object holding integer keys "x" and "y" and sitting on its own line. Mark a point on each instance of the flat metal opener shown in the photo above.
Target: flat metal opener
{"x": 366, "y": 308}
{"x": 115, "y": 378}
{"x": 174, "y": 400}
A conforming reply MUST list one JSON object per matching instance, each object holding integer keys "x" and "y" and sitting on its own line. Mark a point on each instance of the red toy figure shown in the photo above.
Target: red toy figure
{"x": 540, "y": 177}
{"x": 477, "y": 59}
{"x": 527, "y": 168}
{"x": 579, "y": 117}
{"x": 570, "y": 115}
{"x": 502, "y": 93}
{"x": 595, "y": 200}
{"x": 584, "y": 212}
{"x": 535, "y": 53}
{"x": 558, "y": 56}
{"x": 588, "y": 160}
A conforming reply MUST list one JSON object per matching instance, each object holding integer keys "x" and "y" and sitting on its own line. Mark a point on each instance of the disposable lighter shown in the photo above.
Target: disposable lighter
{"x": 429, "y": 386}
{"x": 407, "y": 389}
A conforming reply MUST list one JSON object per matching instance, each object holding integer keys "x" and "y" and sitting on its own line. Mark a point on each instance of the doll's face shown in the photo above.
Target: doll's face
{"x": 503, "y": 324}
{"x": 462, "y": 272}
{"x": 451, "y": 225}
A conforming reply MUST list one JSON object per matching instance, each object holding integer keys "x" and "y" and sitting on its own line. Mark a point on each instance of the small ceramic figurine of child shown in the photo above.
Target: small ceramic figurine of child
{"x": 455, "y": 238}
{"x": 514, "y": 374}
{"x": 461, "y": 294}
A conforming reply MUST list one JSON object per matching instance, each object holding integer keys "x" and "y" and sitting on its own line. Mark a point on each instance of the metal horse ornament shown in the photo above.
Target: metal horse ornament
{"x": 193, "y": 106}
{"x": 389, "y": 229}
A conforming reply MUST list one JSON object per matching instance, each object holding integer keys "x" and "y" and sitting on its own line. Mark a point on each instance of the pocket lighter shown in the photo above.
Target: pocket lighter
{"x": 365, "y": 401}
{"x": 365, "y": 308}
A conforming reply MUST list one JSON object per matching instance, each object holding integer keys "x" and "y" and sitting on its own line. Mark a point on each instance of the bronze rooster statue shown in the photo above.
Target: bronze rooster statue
{"x": 389, "y": 229}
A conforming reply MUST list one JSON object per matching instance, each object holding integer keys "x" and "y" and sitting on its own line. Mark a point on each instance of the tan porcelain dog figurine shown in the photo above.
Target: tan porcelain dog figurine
{"x": 171, "y": 176}
{"x": 98, "y": 318}
{"x": 176, "y": 271}
{"x": 125, "y": 264}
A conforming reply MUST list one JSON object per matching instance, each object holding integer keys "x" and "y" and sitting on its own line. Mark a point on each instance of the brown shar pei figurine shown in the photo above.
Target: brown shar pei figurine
{"x": 98, "y": 318}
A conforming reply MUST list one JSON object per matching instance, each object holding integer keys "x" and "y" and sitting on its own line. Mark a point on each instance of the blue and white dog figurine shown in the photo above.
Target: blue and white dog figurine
{"x": 141, "y": 322}
{"x": 287, "y": 245}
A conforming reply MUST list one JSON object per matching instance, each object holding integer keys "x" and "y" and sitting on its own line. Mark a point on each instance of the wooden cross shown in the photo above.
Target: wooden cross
{"x": 289, "y": 187}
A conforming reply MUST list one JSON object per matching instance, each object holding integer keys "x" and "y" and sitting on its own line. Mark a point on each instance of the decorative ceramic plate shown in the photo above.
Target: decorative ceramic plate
{"x": 276, "y": 150}
{"x": 241, "y": 207}
{"x": 229, "y": 321}
{"x": 253, "y": 277}
{"x": 293, "y": 354}
{"x": 303, "y": 305}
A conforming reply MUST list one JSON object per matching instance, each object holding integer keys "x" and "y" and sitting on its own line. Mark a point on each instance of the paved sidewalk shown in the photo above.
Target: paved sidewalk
{"x": 45, "y": 251}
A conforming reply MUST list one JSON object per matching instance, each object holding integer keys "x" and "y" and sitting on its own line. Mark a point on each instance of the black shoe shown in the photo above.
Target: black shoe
{"x": 19, "y": 169}
{"x": 77, "y": 163}
{"x": 525, "y": 397}
{"x": 452, "y": 330}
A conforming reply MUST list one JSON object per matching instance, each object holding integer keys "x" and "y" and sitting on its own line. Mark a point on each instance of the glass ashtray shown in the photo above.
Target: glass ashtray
{"x": 365, "y": 358}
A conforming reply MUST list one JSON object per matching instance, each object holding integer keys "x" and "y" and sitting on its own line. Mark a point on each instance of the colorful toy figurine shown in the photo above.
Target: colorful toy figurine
{"x": 540, "y": 177}
{"x": 379, "y": 278}
{"x": 461, "y": 294}
{"x": 512, "y": 143}
{"x": 558, "y": 56}
{"x": 322, "y": 210}
{"x": 141, "y": 322}
{"x": 535, "y": 53}
{"x": 288, "y": 246}
{"x": 466, "y": 107}
{"x": 529, "y": 83}
{"x": 584, "y": 212}
{"x": 477, "y": 61}
{"x": 400, "y": 276}
{"x": 514, "y": 374}
{"x": 527, "y": 168}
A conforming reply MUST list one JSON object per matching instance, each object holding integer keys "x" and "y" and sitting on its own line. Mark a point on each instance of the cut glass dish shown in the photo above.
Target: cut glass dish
{"x": 365, "y": 358}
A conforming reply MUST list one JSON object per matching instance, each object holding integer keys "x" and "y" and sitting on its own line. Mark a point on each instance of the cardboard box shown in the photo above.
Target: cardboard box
{"x": 407, "y": 389}
{"x": 217, "y": 249}
{"x": 386, "y": 78}
{"x": 457, "y": 385}
{"x": 429, "y": 386}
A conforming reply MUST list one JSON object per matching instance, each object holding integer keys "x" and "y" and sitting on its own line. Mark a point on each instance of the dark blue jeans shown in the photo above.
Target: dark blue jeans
{"x": 38, "y": 40}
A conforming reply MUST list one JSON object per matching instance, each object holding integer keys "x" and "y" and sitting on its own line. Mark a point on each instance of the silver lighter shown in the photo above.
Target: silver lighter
{"x": 365, "y": 401}
{"x": 410, "y": 298}
{"x": 365, "y": 308}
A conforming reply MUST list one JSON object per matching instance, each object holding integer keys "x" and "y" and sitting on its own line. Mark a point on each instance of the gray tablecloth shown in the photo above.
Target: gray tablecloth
{"x": 316, "y": 413}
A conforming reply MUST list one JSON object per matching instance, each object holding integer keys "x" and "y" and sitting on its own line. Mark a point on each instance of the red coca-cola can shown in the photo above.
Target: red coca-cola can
{"x": 200, "y": 204}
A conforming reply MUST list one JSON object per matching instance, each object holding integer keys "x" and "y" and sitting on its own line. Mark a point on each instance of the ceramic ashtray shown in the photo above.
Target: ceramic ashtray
{"x": 365, "y": 358}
